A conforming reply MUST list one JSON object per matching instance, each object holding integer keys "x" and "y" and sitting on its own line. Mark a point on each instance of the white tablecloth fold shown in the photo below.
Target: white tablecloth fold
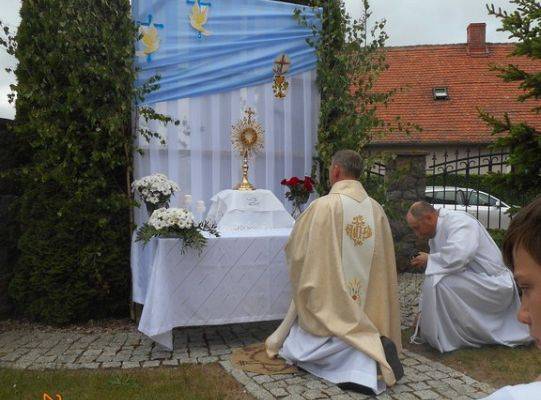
{"x": 235, "y": 210}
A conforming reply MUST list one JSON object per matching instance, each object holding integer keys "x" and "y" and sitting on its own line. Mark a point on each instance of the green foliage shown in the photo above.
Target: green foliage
{"x": 11, "y": 155}
{"x": 190, "y": 237}
{"x": 497, "y": 236}
{"x": 75, "y": 95}
{"x": 522, "y": 140}
{"x": 350, "y": 58}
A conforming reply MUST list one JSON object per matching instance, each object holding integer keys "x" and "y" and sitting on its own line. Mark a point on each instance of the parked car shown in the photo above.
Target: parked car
{"x": 489, "y": 210}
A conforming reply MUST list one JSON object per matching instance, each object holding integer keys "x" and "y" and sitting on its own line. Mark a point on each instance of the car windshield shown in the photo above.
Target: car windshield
{"x": 481, "y": 199}
{"x": 448, "y": 196}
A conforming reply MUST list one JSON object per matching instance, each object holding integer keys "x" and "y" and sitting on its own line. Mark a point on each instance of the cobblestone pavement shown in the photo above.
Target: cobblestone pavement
{"x": 30, "y": 348}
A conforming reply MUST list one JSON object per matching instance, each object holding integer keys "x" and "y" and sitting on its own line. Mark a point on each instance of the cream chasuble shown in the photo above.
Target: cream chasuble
{"x": 343, "y": 275}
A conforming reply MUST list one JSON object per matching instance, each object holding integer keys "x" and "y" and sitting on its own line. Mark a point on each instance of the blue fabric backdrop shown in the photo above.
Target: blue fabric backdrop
{"x": 235, "y": 47}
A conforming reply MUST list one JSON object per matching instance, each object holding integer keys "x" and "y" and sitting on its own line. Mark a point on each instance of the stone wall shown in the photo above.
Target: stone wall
{"x": 405, "y": 182}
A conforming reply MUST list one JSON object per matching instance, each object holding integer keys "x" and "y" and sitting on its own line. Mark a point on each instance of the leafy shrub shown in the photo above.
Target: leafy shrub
{"x": 74, "y": 98}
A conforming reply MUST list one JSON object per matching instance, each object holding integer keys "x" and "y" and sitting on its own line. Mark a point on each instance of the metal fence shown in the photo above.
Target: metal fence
{"x": 461, "y": 179}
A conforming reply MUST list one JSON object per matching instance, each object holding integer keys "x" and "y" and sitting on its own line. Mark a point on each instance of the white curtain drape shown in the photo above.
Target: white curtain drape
{"x": 198, "y": 154}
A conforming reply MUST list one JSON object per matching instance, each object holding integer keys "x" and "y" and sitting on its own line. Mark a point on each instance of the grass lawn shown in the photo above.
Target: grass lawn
{"x": 187, "y": 381}
{"x": 497, "y": 365}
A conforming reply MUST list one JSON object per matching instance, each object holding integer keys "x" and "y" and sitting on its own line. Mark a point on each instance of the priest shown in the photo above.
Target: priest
{"x": 469, "y": 297}
{"x": 344, "y": 314}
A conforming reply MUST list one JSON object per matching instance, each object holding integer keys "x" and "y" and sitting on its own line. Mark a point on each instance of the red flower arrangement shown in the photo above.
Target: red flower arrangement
{"x": 299, "y": 190}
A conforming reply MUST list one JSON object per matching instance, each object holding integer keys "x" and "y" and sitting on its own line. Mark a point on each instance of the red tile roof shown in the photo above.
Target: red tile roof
{"x": 418, "y": 69}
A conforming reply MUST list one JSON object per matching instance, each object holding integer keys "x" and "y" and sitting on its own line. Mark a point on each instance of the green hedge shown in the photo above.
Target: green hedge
{"x": 497, "y": 235}
{"x": 74, "y": 91}
{"x": 12, "y": 155}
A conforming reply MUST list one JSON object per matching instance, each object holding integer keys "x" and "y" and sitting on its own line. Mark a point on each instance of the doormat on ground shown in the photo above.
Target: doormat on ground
{"x": 253, "y": 358}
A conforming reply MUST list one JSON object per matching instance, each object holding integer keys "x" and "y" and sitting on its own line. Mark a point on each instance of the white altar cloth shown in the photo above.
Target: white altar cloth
{"x": 142, "y": 258}
{"x": 235, "y": 210}
{"x": 239, "y": 277}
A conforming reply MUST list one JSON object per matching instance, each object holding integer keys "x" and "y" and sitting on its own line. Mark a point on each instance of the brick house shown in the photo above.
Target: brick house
{"x": 443, "y": 87}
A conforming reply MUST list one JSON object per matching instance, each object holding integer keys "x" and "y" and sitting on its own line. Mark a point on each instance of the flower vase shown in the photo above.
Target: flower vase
{"x": 296, "y": 211}
{"x": 151, "y": 207}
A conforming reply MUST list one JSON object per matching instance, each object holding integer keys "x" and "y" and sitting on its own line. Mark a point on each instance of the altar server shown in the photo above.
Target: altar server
{"x": 522, "y": 251}
{"x": 343, "y": 277}
{"x": 469, "y": 297}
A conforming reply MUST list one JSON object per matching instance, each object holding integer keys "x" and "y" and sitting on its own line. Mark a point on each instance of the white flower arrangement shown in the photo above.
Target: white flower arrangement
{"x": 171, "y": 218}
{"x": 155, "y": 190}
{"x": 177, "y": 223}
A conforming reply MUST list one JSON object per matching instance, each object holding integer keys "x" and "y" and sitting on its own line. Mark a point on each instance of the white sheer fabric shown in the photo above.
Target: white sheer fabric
{"x": 198, "y": 154}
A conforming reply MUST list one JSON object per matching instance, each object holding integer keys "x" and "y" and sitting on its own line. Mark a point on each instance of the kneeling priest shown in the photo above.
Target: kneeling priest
{"x": 343, "y": 324}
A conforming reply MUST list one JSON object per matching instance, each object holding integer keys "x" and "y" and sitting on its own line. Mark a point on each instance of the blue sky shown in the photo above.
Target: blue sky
{"x": 408, "y": 22}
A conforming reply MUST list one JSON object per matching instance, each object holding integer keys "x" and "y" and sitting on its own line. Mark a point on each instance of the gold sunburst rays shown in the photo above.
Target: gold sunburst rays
{"x": 247, "y": 138}
{"x": 247, "y": 135}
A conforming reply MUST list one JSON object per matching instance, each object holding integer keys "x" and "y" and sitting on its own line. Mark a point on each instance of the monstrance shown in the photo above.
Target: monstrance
{"x": 247, "y": 138}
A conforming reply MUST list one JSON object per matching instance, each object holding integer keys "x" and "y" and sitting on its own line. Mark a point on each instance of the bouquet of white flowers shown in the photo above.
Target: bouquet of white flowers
{"x": 155, "y": 190}
{"x": 177, "y": 223}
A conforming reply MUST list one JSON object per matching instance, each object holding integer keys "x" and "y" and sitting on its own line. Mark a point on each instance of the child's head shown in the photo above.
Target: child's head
{"x": 522, "y": 252}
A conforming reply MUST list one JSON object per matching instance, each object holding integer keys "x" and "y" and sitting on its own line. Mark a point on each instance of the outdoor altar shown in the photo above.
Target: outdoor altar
{"x": 221, "y": 63}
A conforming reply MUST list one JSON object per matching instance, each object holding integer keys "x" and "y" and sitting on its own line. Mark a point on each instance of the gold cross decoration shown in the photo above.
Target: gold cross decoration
{"x": 280, "y": 84}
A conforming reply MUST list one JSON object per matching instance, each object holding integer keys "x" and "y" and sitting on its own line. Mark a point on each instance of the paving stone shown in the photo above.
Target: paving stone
{"x": 423, "y": 367}
{"x": 359, "y": 396}
{"x": 419, "y": 377}
{"x": 294, "y": 380}
{"x": 404, "y": 396}
{"x": 22, "y": 364}
{"x": 314, "y": 394}
{"x": 113, "y": 364}
{"x": 65, "y": 349}
{"x": 294, "y": 397}
{"x": 274, "y": 385}
{"x": 315, "y": 384}
{"x": 48, "y": 359}
{"x": 278, "y": 392}
{"x": 263, "y": 379}
{"x": 447, "y": 393}
{"x": 427, "y": 395}
{"x": 296, "y": 389}
{"x": 401, "y": 388}
{"x": 341, "y": 397}
{"x": 90, "y": 365}
{"x": 151, "y": 364}
{"x": 160, "y": 356}
{"x": 332, "y": 390}
{"x": 283, "y": 376}
{"x": 410, "y": 361}
{"x": 477, "y": 395}
{"x": 67, "y": 359}
{"x": 436, "y": 374}
{"x": 74, "y": 366}
{"x": 130, "y": 364}
{"x": 419, "y": 386}
{"x": 258, "y": 392}
{"x": 109, "y": 358}
{"x": 207, "y": 359}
